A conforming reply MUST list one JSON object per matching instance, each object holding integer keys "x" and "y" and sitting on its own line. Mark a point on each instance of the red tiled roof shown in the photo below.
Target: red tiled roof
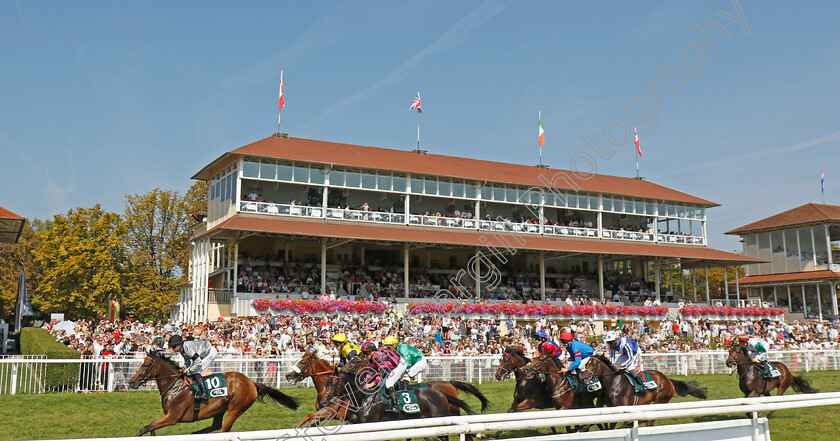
{"x": 324, "y": 152}
{"x": 6, "y": 214}
{"x": 791, "y": 277}
{"x": 805, "y": 214}
{"x": 444, "y": 237}
{"x": 11, "y": 226}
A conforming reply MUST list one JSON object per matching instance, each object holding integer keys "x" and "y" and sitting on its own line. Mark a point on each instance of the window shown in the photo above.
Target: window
{"x": 608, "y": 204}
{"x": 583, "y": 202}
{"x": 444, "y": 188}
{"x": 399, "y": 183}
{"x": 618, "y": 204}
{"x": 498, "y": 194}
{"x": 383, "y": 182}
{"x": 353, "y": 179}
{"x": 337, "y": 177}
{"x": 251, "y": 169}
{"x": 369, "y": 181}
{"x": 572, "y": 200}
{"x": 284, "y": 172}
{"x": 268, "y": 170}
{"x": 457, "y": 189}
{"x": 511, "y": 194}
{"x": 640, "y": 207}
{"x": 430, "y": 186}
{"x": 649, "y": 208}
{"x": 471, "y": 191}
{"x": 301, "y": 174}
{"x": 593, "y": 202}
{"x": 316, "y": 175}
{"x": 417, "y": 185}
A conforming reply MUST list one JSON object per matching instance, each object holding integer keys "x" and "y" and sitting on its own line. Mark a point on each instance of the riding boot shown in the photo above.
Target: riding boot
{"x": 201, "y": 392}
{"x": 633, "y": 373}
{"x": 393, "y": 402}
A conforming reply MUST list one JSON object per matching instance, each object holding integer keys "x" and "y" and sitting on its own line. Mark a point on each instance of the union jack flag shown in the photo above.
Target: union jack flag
{"x": 415, "y": 103}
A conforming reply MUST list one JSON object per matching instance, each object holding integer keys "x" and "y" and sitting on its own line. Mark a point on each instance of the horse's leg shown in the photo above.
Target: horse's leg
{"x": 170, "y": 419}
{"x": 217, "y": 424}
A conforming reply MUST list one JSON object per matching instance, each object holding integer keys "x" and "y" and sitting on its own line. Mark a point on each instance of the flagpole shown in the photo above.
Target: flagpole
{"x": 637, "y": 156}
{"x": 418, "y": 130}
{"x": 540, "y": 115}
{"x": 280, "y": 112}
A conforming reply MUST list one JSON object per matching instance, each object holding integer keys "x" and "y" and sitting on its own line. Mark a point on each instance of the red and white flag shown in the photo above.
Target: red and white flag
{"x": 282, "y": 104}
{"x": 636, "y": 140}
{"x": 415, "y": 103}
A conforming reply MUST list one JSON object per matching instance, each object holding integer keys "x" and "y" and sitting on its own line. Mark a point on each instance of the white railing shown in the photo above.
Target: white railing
{"x": 628, "y": 235}
{"x": 28, "y": 375}
{"x": 365, "y": 216}
{"x": 555, "y": 230}
{"x": 753, "y": 428}
{"x": 280, "y": 209}
{"x": 680, "y": 239}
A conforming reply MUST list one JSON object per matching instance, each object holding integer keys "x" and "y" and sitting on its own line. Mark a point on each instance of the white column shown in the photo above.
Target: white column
{"x": 682, "y": 280}
{"x": 601, "y": 276}
{"x": 726, "y": 284}
{"x": 656, "y": 269}
{"x": 738, "y": 283}
{"x": 833, "y": 298}
{"x": 790, "y": 299}
{"x": 407, "y": 202}
{"x": 235, "y": 266}
{"x": 656, "y": 222}
{"x": 542, "y": 275}
{"x": 819, "y": 302}
{"x": 405, "y": 270}
{"x": 694, "y": 285}
{"x": 477, "y": 206}
{"x": 827, "y": 246}
{"x": 326, "y": 190}
{"x": 708, "y": 295}
{"x": 703, "y": 225}
{"x": 477, "y": 275}
{"x": 323, "y": 265}
{"x": 776, "y": 294}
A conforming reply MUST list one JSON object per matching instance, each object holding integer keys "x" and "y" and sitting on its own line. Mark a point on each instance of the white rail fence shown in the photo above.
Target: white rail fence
{"x": 753, "y": 428}
{"x": 23, "y": 375}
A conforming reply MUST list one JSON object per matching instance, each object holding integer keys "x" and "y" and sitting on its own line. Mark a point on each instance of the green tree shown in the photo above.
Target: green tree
{"x": 12, "y": 259}
{"x": 82, "y": 258}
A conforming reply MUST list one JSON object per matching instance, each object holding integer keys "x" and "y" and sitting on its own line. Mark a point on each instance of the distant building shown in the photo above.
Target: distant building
{"x": 11, "y": 226}
{"x": 799, "y": 249}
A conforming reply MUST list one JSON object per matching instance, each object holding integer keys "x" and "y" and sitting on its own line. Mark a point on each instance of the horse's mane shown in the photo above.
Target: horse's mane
{"x": 164, "y": 356}
{"x": 519, "y": 352}
{"x": 604, "y": 359}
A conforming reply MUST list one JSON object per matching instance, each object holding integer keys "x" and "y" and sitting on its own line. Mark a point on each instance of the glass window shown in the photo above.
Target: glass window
{"x": 430, "y": 186}
{"x": 316, "y": 175}
{"x": 301, "y": 174}
{"x": 777, "y": 252}
{"x": 608, "y": 204}
{"x": 498, "y": 193}
{"x": 536, "y": 197}
{"x": 583, "y": 202}
{"x": 284, "y": 172}
{"x": 764, "y": 253}
{"x": 820, "y": 245}
{"x": 224, "y": 189}
{"x": 383, "y": 182}
{"x": 369, "y": 181}
{"x": 251, "y": 169}
{"x": 549, "y": 198}
{"x": 354, "y": 179}
{"x": 458, "y": 189}
{"x": 417, "y": 185}
{"x": 445, "y": 187}
{"x": 214, "y": 188}
{"x": 268, "y": 170}
{"x": 486, "y": 193}
{"x": 470, "y": 191}
{"x": 336, "y": 177}
{"x": 618, "y": 205}
{"x": 593, "y": 202}
{"x": 511, "y": 194}
{"x": 649, "y": 208}
{"x": 571, "y": 200}
{"x": 640, "y": 207}
{"x": 806, "y": 248}
{"x": 399, "y": 183}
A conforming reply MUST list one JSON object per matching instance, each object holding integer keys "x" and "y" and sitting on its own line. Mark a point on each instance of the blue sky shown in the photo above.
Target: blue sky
{"x": 104, "y": 99}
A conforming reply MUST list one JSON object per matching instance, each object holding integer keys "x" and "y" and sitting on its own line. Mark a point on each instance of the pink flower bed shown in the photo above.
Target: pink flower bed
{"x": 314, "y": 306}
{"x": 728, "y": 311}
{"x": 519, "y": 309}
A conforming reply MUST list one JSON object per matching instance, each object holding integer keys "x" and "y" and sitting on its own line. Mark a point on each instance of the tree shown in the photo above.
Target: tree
{"x": 82, "y": 257}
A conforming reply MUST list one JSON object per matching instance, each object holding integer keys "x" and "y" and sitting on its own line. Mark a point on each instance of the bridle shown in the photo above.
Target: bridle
{"x": 506, "y": 370}
{"x": 308, "y": 369}
{"x": 145, "y": 375}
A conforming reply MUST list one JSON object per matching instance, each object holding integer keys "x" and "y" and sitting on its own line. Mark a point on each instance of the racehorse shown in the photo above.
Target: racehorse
{"x": 179, "y": 404}
{"x": 753, "y": 384}
{"x": 312, "y": 366}
{"x": 618, "y": 391}
{"x": 367, "y": 404}
{"x": 530, "y": 391}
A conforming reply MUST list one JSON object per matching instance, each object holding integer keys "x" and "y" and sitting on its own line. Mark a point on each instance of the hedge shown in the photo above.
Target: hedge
{"x": 56, "y": 377}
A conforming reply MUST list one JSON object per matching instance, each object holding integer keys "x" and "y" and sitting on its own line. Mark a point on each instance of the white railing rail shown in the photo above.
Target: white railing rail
{"x": 486, "y": 423}
{"x": 109, "y": 374}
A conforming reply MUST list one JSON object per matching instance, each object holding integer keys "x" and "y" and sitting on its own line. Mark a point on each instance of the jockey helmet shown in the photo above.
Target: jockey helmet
{"x": 391, "y": 340}
{"x": 369, "y": 346}
{"x": 566, "y": 336}
{"x": 176, "y": 340}
{"x": 541, "y": 334}
{"x": 743, "y": 338}
{"x": 610, "y": 336}
{"x": 339, "y": 338}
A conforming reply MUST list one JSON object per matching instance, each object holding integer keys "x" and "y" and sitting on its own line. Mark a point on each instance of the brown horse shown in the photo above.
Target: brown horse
{"x": 530, "y": 391}
{"x": 753, "y": 384}
{"x": 368, "y": 405}
{"x": 179, "y": 402}
{"x": 618, "y": 391}
{"x": 557, "y": 385}
{"x": 312, "y": 366}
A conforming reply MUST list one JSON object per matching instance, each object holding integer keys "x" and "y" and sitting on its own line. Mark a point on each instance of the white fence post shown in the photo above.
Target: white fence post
{"x": 13, "y": 383}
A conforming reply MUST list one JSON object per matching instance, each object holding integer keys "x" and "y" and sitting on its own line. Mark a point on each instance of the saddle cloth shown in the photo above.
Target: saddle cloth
{"x": 646, "y": 378}
{"x": 406, "y": 401}
{"x": 579, "y": 387}
{"x": 216, "y": 385}
{"x": 768, "y": 371}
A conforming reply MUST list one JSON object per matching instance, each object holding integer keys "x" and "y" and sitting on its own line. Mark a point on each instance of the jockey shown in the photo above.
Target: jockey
{"x": 385, "y": 360}
{"x": 196, "y": 356}
{"x": 579, "y": 353}
{"x": 546, "y": 346}
{"x": 411, "y": 359}
{"x": 756, "y": 349}
{"x": 624, "y": 355}
{"x": 346, "y": 350}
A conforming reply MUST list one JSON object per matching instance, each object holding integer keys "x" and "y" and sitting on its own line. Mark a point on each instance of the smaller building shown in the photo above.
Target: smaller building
{"x": 799, "y": 248}
{"x": 11, "y": 226}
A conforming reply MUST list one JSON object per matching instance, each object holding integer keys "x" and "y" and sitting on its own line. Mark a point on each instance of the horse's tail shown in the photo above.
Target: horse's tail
{"x": 689, "y": 388}
{"x": 470, "y": 389}
{"x": 460, "y": 403}
{"x": 802, "y": 385}
{"x": 275, "y": 395}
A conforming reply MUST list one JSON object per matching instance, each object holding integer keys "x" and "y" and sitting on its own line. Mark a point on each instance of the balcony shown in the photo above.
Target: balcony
{"x": 462, "y": 223}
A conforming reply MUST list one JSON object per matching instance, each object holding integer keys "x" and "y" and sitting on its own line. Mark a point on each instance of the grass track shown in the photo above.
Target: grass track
{"x": 67, "y": 415}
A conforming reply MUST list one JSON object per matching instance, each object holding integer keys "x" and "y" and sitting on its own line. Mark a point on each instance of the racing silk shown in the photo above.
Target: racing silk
{"x": 624, "y": 353}
{"x": 578, "y": 351}
{"x": 194, "y": 353}
{"x": 348, "y": 351}
{"x": 385, "y": 359}
{"x": 409, "y": 353}
{"x": 756, "y": 347}
{"x": 550, "y": 348}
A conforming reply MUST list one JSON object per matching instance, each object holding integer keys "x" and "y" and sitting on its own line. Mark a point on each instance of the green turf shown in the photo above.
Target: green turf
{"x": 67, "y": 415}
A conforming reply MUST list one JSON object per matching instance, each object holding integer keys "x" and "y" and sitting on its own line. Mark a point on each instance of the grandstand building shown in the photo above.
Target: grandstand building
{"x": 800, "y": 259}
{"x": 471, "y": 226}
